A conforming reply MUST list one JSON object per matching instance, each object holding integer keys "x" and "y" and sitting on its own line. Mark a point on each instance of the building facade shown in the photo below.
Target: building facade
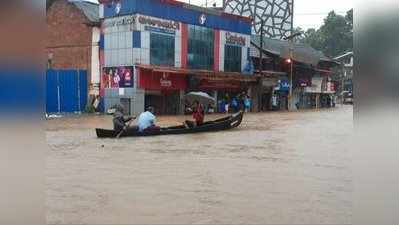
{"x": 73, "y": 36}
{"x": 308, "y": 71}
{"x": 345, "y": 72}
{"x": 153, "y": 52}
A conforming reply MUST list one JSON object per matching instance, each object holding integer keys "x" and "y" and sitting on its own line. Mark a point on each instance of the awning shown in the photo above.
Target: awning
{"x": 323, "y": 71}
{"x": 269, "y": 73}
{"x": 202, "y": 74}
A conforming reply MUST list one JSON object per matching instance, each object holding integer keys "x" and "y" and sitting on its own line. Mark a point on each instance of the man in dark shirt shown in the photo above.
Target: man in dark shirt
{"x": 120, "y": 120}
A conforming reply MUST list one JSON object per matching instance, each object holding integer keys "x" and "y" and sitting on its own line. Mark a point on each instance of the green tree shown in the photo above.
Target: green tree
{"x": 314, "y": 39}
{"x": 334, "y": 37}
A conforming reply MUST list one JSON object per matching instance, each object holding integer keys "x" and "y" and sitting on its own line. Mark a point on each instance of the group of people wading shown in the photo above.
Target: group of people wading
{"x": 146, "y": 121}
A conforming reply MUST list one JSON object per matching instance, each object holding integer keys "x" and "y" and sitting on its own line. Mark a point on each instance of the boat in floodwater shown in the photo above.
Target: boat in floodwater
{"x": 225, "y": 123}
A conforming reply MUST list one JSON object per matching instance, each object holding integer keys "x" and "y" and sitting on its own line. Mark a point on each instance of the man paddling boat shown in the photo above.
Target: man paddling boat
{"x": 120, "y": 120}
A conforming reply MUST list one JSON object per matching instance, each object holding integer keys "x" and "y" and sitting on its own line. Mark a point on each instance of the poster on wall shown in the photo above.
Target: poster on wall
{"x": 316, "y": 85}
{"x": 117, "y": 77}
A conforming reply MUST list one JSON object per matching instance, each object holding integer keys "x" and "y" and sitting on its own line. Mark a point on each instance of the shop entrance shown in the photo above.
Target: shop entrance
{"x": 164, "y": 102}
{"x": 265, "y": 101}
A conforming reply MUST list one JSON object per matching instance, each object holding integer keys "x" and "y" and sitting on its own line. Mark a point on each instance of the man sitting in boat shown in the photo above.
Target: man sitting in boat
{"x": 198, "y": 115}
{"x": 120, "y": 120}
{"x": 146, "y": 121}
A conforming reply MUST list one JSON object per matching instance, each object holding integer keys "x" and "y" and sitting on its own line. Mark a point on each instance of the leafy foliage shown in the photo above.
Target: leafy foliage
{"x": 334, "y": 37}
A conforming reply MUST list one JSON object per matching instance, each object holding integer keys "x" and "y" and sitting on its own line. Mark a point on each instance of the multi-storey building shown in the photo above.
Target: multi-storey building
{"x": 154, "y": 51}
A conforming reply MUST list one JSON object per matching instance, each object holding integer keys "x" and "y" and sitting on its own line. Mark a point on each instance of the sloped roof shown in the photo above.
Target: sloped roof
{"x": 301, "y": 53}
{"x": 89, "y": 9}
{"x": 344, "y": 55}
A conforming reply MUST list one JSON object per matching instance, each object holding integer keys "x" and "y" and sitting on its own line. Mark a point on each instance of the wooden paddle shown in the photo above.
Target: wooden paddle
{"x": 123, "y": 130}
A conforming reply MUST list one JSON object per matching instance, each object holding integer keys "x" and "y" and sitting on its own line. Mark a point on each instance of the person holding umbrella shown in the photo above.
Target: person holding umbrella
{"x": 198, "y": 113}
{"x": 199, "y": 99}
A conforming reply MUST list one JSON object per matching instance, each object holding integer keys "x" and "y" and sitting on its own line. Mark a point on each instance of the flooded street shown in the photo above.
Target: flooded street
{"x": 276, "y": 168}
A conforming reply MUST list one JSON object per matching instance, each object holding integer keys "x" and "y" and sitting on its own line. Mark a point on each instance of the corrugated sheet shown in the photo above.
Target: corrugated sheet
{"x": 90, "y": 9}
{"x": 301, "y": 53}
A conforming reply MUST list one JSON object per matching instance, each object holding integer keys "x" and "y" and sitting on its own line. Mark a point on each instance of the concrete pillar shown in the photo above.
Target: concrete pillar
{"x": 137, "y": 104}
{"x": 255, "y": 98}
{"x": 181, "y": 103}
{"x": 317, "y": 101}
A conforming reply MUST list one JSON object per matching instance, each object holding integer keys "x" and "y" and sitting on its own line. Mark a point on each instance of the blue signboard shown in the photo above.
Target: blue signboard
{"x": 177, "y": 12}
{"x": 284, "y": 85}
{"x": 159, "y": 30}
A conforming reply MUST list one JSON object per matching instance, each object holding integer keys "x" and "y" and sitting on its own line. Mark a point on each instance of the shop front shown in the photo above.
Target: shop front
{"x": 320, "y": 94}
{"x": 163, "y": 89}
{"x": 225, "y": 88}
{"x": 169, "y": 41}
{"x": 279, "y": 99}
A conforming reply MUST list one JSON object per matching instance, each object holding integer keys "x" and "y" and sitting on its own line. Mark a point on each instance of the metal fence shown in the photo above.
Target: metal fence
{"x": 66, "y": 91}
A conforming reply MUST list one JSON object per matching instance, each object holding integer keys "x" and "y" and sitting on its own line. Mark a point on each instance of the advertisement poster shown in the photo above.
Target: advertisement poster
{"x": 117, "y": 77}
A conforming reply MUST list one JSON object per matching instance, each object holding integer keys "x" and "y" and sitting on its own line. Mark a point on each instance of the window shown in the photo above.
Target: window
{"x": 162, "y": 49}
{"x": 232, "y": 58}
{"x": 200, "y": 47}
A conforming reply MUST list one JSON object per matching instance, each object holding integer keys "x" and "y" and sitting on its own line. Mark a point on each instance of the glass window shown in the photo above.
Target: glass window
{"x": 200, "y": 47}
{"x": 162, "y": 49}
{"x": 232, "y": 58}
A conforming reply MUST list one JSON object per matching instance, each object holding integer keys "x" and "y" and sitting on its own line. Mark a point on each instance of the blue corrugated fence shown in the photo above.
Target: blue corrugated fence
{"x": 66, "y": 91}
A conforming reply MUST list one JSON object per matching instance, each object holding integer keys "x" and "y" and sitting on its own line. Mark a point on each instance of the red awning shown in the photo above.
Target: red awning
{"x": 202, "y": 74}
{"x": 160, "y": 80}
{"x": 219, "y": 85}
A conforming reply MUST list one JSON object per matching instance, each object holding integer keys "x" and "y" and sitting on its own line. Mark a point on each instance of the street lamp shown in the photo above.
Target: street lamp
{"x": 291, "y": 62}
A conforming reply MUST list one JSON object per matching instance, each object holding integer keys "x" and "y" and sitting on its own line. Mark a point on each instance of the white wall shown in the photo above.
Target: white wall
{"x": 221, "y": 50}
{"x": 178, "y": 48}
{"x": 95, "y": 60}
{"x": 145, "y": 47}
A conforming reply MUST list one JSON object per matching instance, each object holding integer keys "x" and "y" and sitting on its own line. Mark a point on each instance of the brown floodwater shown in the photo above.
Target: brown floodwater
{"x": 276, "y": 168}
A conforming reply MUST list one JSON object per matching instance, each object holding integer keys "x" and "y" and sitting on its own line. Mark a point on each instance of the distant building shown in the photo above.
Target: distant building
{"x": 311, "y": 81}
{"x": 73, "y": 35}
{"x": 346, "y": 61}
{"x": 276, "y": 14}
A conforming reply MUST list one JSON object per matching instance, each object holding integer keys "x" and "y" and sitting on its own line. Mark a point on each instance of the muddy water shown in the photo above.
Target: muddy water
{"x": 276, "y": 168}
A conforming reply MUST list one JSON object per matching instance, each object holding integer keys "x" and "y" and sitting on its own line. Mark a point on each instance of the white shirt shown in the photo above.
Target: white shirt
{"x": 146, "y": 119}
{"x": 274, "y": 100}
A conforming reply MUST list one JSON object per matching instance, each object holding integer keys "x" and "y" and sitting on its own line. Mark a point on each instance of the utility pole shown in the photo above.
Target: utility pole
{"x": 291, "y": 42}
{"x": 262, "y": 23}
{"x": 290, "y": 103}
